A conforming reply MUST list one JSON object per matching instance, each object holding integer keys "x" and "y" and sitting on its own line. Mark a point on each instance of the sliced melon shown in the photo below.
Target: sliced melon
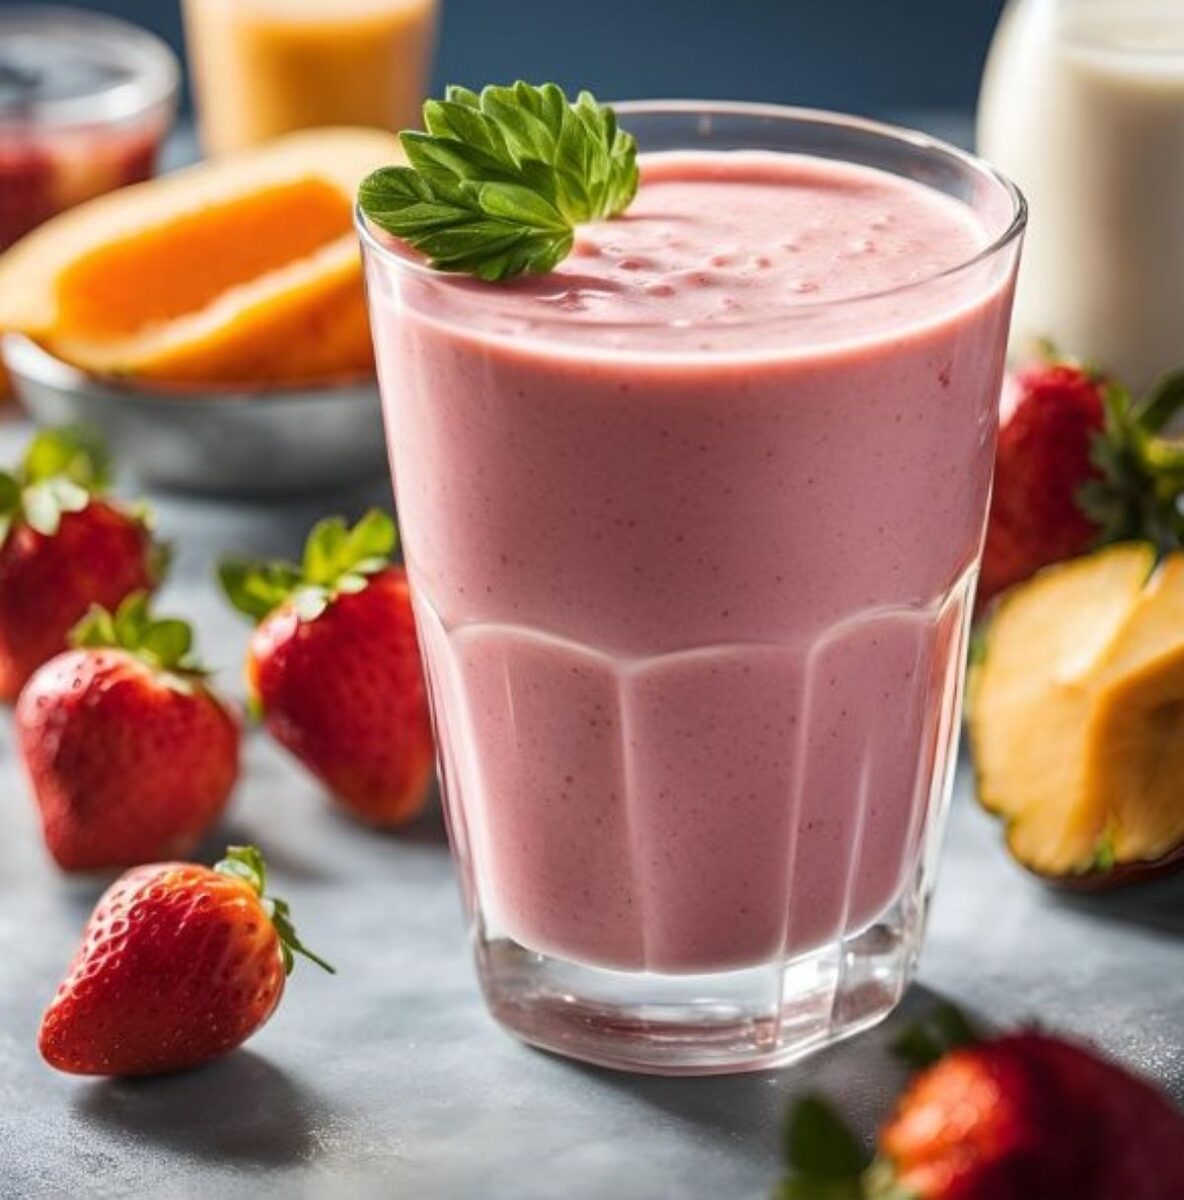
{"x": 241, "y": 271}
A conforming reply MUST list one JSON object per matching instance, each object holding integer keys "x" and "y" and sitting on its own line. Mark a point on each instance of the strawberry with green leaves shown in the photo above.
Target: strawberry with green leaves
{"x": 1080, "y": 463}
{"x": 131, "y": 756}
{"x": 63, "y": 547}
{"x": 334, "y": 669}
{"x": 1025, "y": 1116}
{"x": 179, "y": 964}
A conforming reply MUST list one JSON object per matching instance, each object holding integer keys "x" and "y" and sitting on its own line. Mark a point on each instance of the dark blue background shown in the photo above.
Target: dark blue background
{"x": 867, "y": 56}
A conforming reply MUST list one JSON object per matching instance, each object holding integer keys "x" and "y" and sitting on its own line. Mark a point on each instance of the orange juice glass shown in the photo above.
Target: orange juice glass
{"x": 261, "y": 68}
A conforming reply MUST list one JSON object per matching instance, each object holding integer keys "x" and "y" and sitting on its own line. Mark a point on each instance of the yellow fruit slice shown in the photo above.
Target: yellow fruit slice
{"x": 241, "y": 271}
{"x": 1078, "y": 714}
{"x": 1031, "y": 694}
{"x": 1135, "y": 740}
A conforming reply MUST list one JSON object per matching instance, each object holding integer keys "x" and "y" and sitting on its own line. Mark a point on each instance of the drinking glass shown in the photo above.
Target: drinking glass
{"x": 1082, "y": 103}
{"x": 262, "y": 68}
{"x": 694, "y": 614}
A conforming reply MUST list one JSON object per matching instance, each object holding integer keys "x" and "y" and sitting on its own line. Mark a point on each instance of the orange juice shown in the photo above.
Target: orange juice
{"x": 266, "y": 67}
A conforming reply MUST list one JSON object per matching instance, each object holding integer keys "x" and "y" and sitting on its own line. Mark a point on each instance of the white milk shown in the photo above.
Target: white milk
{"x": 1083, "y": 106}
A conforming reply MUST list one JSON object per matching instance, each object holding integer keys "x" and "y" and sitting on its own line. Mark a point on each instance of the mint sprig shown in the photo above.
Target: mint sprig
{"x": 500, "y": 179}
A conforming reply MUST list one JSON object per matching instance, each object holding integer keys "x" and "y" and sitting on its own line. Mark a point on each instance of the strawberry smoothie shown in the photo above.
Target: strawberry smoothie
{"x": 692, "y": 524}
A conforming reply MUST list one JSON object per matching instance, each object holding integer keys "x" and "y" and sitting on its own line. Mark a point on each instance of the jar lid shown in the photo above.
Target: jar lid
{"x": 67, "y": 67}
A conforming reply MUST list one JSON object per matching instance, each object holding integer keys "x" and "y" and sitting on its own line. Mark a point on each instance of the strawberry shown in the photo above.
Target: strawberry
{"x": 1079, "y": 464}
{"x": 62, "y": 549}
{"x": 179, "y": 964}
{"x": 334, "y": 669}
{"x": 1021, "y": 1117}
{"x": 131, "y": 756}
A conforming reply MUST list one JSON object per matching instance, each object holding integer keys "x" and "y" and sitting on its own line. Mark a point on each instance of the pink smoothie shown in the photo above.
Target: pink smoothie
{"x": 691, "y": 548}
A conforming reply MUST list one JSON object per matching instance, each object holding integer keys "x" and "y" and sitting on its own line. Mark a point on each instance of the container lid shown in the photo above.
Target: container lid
{"x": 63, "y": 66}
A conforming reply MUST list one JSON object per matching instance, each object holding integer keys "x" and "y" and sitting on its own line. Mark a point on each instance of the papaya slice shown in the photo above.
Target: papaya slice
{"x": 242, "y": 271}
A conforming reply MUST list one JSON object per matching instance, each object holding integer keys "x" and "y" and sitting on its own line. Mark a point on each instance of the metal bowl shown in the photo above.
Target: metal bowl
{"x": 228, "y": 442}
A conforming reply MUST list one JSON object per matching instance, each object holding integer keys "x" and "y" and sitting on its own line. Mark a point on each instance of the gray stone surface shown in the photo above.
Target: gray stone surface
{"x": 390, "y": 1080}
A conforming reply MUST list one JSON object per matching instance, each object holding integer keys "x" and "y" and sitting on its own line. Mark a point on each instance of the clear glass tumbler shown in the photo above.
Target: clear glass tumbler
{"x": 694, "y": 614}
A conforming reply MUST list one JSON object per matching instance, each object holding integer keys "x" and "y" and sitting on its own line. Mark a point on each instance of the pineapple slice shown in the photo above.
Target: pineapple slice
{"x": 1077, "y": 717}
{"x": 1135, "y": 740}
{"x": 1031, "y": 693}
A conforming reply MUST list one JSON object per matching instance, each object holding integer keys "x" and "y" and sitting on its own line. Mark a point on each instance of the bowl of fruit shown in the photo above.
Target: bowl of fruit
{"x": 211, "y": 323}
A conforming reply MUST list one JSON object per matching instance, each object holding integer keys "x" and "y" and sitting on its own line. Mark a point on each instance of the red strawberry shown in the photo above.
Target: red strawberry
{"x": 179, "y": 964}
{"x": 62, "y": 549}
{"x": 131, "y": 756}
{"x": 1043, "y": 459}
{"x": 1023, "y": 1117}
{"x": 334, "y": 667}
{"x": 1079, "y": 464}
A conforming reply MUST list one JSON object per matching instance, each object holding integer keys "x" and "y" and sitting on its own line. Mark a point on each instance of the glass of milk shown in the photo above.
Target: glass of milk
{"x": 1083, "y": 105}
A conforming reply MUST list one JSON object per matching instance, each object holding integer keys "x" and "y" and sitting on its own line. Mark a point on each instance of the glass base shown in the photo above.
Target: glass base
{"x": 748, "y": 1020}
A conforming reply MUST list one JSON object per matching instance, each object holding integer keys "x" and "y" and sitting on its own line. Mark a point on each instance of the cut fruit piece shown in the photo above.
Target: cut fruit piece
{"x": 1136, "y": 760}
{"x": 1135, "y": 742}
{"x": 1077, "y": 720}
{"x": 245, "y": 271}
{"x": 1030, "y": 699}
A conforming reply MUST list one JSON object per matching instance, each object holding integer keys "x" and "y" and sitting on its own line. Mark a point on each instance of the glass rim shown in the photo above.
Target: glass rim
{"x": 927, "y": 143}
{"x": 155, "y": 83}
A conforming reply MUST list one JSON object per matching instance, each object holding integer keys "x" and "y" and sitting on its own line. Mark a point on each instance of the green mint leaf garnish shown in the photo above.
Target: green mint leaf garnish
{"x": 499, "y": 180}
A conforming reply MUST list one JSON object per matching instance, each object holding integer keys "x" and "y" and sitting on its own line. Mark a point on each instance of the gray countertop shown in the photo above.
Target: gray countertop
{"x": 390, "y": 1080}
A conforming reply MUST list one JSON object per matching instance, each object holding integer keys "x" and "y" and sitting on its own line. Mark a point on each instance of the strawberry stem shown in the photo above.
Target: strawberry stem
{"x": 246, "y": 863}
{"x": 1139, "y": 493}
{"x": 164, "y": 643}
{"x": 337, "y": 559}
{"x": 931, "y": 1038}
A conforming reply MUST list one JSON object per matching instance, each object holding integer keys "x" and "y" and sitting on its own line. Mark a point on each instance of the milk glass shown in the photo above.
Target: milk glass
{"x": 1083, "y": 106}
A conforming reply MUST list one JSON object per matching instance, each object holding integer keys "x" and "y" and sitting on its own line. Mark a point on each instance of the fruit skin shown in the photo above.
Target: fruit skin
{"x": 179, "y": 964}
{"x": 1119, "y": 875}
{"x": 47, "y": 582}
{"x": 1029, "y": 1116}
{"x": 1044, "y": 458}
{"x": 334, "y": 670}
{"x": 62, "y": 549}
{"x": 130, "y": 754}
{"x": 125, "y": 769}
{"x": 345, "y": 694}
